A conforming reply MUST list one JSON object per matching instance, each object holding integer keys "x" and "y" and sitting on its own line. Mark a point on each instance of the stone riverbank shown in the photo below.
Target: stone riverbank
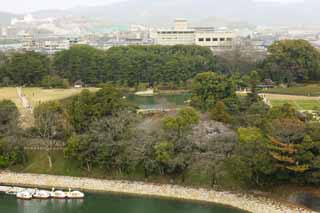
{"x": 246, "y": 202}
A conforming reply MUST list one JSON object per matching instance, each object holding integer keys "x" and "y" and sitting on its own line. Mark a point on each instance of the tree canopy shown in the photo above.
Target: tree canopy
{"x": 208, "y": 88}
{"x": 292, "y": 61}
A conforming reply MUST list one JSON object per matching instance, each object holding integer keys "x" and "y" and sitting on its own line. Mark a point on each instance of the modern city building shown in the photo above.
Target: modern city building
{"x": 181, "y": 34}
{"x": 202, "y": 36}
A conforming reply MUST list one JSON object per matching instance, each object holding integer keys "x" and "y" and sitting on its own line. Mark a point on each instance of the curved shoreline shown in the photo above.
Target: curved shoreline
{"x": 245, "y": 202}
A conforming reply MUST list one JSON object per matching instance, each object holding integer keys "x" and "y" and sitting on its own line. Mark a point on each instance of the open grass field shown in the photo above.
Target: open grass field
{"x": 35, "y": 96}
{"x": 308, "y": 90}
{"x": 10, "y": 93}
{"x": 38, "y": 95}
{"x": 299, "y": 104}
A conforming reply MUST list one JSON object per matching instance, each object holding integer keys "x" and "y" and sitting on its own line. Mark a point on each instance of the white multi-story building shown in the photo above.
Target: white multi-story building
{"x": 181, "y": 34}
{"x": 202, "y": 36}
{"x": 48, "y": 46}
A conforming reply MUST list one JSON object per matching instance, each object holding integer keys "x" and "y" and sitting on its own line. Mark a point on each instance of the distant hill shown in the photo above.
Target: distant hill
{"x": 162, "y": 12}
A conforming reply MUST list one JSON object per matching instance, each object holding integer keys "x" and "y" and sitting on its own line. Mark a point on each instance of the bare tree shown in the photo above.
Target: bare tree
{"x": 52, "y": 125}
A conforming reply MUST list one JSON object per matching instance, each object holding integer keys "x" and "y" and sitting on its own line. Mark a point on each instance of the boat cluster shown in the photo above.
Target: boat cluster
{"x": 29, "y": 194}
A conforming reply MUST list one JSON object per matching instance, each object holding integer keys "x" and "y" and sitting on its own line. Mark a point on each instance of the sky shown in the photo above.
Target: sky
{"x": 25, "y": 6}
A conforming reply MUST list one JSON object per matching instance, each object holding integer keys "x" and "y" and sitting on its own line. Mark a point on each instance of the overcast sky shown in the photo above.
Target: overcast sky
{"x": 24, "y": 6}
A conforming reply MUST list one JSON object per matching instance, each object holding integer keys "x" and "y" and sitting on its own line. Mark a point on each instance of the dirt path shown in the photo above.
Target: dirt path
{"x": 26, "y": 111}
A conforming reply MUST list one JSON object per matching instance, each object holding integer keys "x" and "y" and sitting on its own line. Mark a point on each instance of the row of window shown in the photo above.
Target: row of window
{"x": 214, "y": 39}
{"x": 176, "y": 32}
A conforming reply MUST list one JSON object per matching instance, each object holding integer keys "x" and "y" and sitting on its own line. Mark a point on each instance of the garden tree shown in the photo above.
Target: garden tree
{"x": 253, "y": 96}
{"x": 288, "y": 130}
{"x": 170, "y": 156}
{"x": 209, "y": 158}
{"x": 54, "y": 81}
{"x": 219, "y": 113}
{"x": 132, "y": 65}
{"x": 179, "y": 125}
{"x": 11, "y": 147}
{"x": 52, "y": 125}
{"x": 113, "y": 133}
{"x": 83, "y": 149}
{"x": 88, "y": 106}
{"x": 284, "y": 111}
{"x": 208, "y": 88}
{"x": 239, "y": 59}
{"x": 256, "y": 115}
{"x": 251, "y": 164}
{"x": 313, "y": 130}
{"x": 106, "y": 143}
{"x": 289, "y": 140}
{"x": 28, "y": 68}
{"x": 78, "y": 63}
{"x": 292, "y": 61}
{"x": 3, "y": 59}
{"x": 145, "y": 150}
{"x": 9, "y": 118}
{"x": 169, "y": 150}
{"x": 11, "y": 151}
{"x": 164, "y": 155}
{"x": 4, "y": 77}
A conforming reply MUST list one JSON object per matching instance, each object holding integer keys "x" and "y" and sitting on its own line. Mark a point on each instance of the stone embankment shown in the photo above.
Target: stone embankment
{"x": 246, "y": 202}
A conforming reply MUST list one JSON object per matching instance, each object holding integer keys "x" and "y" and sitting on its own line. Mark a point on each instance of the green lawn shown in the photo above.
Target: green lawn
{"x": 10, "y": 93}
{"x": 37, "y": 162}
{"x": 38, "y": 95}
{"x": 299, "y": 104}
{"x": 308, "y": 90}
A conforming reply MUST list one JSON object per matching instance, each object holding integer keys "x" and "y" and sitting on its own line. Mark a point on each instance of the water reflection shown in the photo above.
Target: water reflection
{"x": 42, "y": 206}
{"x": 159, "y": 101}
{"x": 306, "y": 199}
{"x": 107, "y": 203}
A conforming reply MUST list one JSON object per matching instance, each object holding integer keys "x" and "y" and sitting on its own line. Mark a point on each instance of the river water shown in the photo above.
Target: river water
{"x": 107, "y": 203}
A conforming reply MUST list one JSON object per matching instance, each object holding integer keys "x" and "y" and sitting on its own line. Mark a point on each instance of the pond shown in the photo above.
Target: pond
{"x": 104, "y": 203}
{"x": 306, "y": 199}
{"x": 159, "y": 101}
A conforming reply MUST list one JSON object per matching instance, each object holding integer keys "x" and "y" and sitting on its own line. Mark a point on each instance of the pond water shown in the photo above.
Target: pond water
{"x": 159, "y": 101}
{"x": 306, "y": 199}
{"x": 104, "y": 203}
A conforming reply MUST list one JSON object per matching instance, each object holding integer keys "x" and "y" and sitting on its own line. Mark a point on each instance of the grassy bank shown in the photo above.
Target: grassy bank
{"x": 299, "y": 104}
{"x": 307, "y": 90}
{"x": 37, "y": 162}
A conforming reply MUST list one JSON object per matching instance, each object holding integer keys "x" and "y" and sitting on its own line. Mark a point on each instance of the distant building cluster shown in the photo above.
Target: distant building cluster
{"x": 202, "y": 36}
{"x": 50, "y": 35}
{"x": 48, "y": 45}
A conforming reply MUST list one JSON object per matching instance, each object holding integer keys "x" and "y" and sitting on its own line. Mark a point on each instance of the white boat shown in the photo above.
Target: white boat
{"x": 12, "y": 190}
{"x": 75, "y": 194}
{"x": 42, "y": 194}
{"x": 58, "y": 194}
{"x": 24, "y": 195}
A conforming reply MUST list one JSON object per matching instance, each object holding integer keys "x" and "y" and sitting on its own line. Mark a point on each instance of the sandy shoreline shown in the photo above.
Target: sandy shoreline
{"x": 245, "y": 202}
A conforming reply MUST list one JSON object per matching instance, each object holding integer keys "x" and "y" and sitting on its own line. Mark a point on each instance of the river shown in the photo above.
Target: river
{"x": 104, "y": 203}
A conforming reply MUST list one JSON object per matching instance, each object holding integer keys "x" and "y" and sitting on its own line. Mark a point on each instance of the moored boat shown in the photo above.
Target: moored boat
{"x": 24, "y": 195}
{"x": 75, "y": 194}
{"x": 58, "y": 194}
{"x": 42, "y": 194}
